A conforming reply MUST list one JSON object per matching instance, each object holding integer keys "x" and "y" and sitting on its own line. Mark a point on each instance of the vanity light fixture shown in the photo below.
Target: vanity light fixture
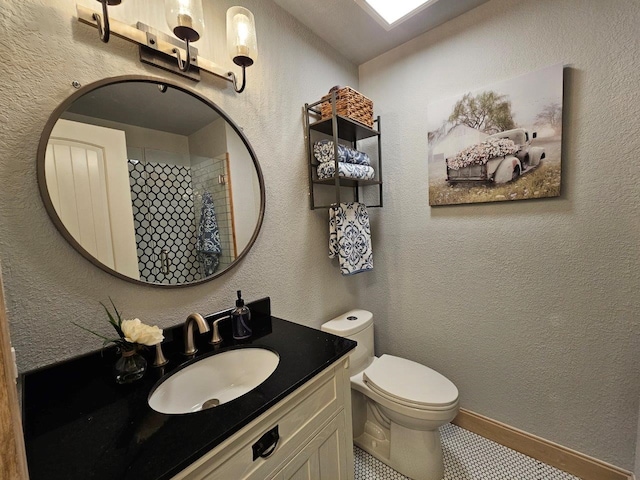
{"x": 186, "y": 20}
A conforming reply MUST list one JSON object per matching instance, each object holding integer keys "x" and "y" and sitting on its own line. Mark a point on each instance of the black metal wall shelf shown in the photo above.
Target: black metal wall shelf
{"x": 340, "y": 128}
{"x": 347, "y": 128}
{"x": 347, "y": 182}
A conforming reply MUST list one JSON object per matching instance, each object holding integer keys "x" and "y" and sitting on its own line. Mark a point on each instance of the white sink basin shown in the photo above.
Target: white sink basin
{"x": 214, "y": 380}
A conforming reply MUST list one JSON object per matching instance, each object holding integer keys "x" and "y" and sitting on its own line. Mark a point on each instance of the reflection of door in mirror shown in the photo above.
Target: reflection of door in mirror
{"x": 88, "y": 182}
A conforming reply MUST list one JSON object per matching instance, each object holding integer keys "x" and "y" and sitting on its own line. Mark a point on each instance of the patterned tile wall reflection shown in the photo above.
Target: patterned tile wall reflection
{"x": 164, "y": 219}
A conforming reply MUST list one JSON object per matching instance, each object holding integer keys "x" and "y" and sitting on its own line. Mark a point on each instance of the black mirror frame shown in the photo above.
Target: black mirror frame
{"x": 44, "y": 192}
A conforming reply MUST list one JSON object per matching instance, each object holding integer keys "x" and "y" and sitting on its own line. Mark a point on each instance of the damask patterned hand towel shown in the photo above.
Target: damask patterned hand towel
{"x": 350, "y": 237}
{"x": 323, "y": 151}
{"x": 208, "y": 244}
{"x": 347, "y": 170}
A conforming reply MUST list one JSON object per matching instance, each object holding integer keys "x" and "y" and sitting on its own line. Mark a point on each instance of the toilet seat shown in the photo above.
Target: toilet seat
{"x": 409, "y": 383}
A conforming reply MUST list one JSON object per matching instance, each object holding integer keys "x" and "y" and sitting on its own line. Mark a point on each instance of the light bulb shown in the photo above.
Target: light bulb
{"x": 241, "y": 23}
{"x": 241, "y": 36}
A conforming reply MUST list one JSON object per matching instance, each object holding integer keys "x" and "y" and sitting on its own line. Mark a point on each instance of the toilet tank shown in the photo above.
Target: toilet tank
{"x": 356, "y": 325}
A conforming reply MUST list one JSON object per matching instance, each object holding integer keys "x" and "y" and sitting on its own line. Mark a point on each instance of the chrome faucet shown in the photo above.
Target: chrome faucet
{"x": 203, "y": 327}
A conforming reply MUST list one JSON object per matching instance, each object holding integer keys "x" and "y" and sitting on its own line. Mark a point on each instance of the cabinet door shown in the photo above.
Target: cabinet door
{"x": 323, "y": 458}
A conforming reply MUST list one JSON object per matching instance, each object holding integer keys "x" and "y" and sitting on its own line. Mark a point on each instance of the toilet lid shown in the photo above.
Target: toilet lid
{"x": 409, "y": 383}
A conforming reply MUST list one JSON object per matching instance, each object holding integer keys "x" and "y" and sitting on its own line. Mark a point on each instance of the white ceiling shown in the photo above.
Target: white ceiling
{"x": 144, "y": 105}
{"x": 357, "y": 35}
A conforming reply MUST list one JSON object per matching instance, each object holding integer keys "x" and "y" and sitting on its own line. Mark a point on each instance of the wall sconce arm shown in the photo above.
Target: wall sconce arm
{"x": 234, "y": 80}
{"x": 183, "y": 65}
{"x": 103, "y": 22}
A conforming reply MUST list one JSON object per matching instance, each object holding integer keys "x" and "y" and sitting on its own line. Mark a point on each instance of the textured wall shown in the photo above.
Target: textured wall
{"x": 530, "y": 307}
{"x": 49, "y": 285}
{"x": 637, "y": 465}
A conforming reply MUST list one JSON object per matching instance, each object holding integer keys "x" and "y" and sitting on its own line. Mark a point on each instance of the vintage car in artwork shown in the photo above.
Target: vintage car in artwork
{"x": 500, "y": 158}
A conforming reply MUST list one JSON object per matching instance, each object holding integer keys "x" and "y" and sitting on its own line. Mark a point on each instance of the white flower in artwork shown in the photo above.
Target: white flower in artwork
{"x": 481, "y": 153}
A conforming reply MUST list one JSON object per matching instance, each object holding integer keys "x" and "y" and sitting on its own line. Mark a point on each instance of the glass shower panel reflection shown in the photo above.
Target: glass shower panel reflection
{"x": 212, "y": 175}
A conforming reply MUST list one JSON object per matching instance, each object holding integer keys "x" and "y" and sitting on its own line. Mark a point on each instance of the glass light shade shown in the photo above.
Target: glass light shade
{"x": 185, "y": 18}
{"x": 241, "y": 36}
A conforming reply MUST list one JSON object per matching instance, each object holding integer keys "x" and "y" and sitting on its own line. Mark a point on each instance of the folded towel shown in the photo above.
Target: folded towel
{"x": 350, "y": 237}
{"x": 208, "y": 244}
{"x": 323, "y": 151}
{"x": 348, "y": 170}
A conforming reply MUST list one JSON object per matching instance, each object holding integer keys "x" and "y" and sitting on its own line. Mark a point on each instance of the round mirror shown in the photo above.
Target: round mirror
{"x": 150, "y": 181}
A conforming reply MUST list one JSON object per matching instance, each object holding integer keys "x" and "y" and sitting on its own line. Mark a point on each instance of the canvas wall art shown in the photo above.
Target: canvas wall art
{"x": 497, "y": 143}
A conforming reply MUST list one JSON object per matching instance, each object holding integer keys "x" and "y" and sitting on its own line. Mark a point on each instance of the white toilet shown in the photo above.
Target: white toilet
{"x": 397, "y": 405}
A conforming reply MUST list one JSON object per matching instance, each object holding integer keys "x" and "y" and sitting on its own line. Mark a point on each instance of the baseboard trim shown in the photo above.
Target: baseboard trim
{"x": 564, "y": 458}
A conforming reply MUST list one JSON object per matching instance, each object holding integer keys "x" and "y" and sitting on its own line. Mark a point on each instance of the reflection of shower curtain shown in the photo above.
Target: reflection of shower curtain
{"x": 209, "y": 247}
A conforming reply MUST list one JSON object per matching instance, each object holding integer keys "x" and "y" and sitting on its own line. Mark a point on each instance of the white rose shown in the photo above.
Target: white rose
{"x": 137, "y": 332}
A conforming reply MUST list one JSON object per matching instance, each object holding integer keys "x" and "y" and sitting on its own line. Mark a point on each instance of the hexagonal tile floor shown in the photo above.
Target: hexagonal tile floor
{"x": 468, "y": 456}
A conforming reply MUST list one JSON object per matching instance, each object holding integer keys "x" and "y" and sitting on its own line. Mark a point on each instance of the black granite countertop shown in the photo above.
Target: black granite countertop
{"x": 80, "y": 424}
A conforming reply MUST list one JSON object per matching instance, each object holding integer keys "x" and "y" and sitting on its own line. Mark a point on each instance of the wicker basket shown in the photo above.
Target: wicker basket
{"x": 350, "y": 104}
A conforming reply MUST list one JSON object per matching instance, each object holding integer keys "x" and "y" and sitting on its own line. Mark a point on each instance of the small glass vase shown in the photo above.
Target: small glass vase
{"x": 129, "y": 367}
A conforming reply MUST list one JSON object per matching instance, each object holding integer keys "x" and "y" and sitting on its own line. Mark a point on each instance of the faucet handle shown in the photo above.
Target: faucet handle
{"x": 216, "y": 338}
{"x": 160, "y": 360}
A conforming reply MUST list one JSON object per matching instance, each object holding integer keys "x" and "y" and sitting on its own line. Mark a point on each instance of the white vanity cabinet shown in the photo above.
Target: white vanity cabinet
{"x": 323, "y": 457}
{"x": 315, "y": 437}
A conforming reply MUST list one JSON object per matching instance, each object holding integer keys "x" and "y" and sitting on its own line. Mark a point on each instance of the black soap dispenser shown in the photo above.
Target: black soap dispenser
{"x": 241, "y": 319}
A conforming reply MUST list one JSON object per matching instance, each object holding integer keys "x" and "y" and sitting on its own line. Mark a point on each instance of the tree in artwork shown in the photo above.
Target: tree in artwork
{"x": 551, "y": 115}
{"x": 488, "y": 112}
